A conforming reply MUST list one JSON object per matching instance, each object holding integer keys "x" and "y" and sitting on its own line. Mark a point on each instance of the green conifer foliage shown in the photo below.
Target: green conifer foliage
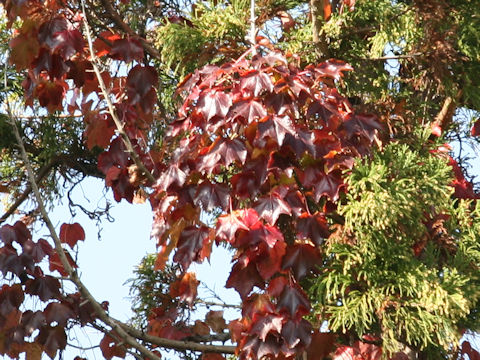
{"x": 404, "y": 266}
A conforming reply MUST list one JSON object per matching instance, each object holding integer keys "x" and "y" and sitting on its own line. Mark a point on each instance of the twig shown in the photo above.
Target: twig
{"x": 445, "y": 115}
{"x": 111, "y": 109}
{"x": 253, "y": 31}
{"x": 44, "y": 170}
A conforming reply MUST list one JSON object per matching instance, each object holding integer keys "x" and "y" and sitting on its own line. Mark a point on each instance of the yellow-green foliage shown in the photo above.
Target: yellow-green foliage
{"x": 374, "y": 282}
{"x": 181, "y": 45}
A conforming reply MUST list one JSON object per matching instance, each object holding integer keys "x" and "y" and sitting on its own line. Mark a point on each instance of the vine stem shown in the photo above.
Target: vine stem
{"x": 119, "y": 125}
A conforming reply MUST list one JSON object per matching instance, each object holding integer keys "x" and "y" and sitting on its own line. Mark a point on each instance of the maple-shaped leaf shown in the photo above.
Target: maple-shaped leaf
{"x": 367, "y": 350}
{"x": 301, "y": 258}
{"x": 271, "y": 206}
{"x": 266, "y": 324}
{"x": 141, "y": 83}
{"x": 213, "y": 102}
{"x": 59, "y": 313}
{"x": 249, "y": 110}
{"x": 332, "y": 68}
{"x": 99, "y": 131}
{"x": 362, "y": 124}
{"x": 68, "y": 42}
{"x": 32, "y": 321}
{"x": 127, "y": 50}
{"x": 172, "y": 176}
{"x": 230, "y": 150}
{"x": 215, "y": 320}
{"x": 185, "y": 288}
{"x": 52, "y": 339}
{"x": 313, "y": 227}
{"x": 276, "y": 127}
{"x": 297, "y": 332}
{"x": 56, "y": 264}
{"x": 321, "y": 346}
{"x": 293, "y": 301}
{"x": 102, "y": 45}
{"x": 244, "y": 279}
{"x": 301, "y": 142}
{"x": 258, "y": 233}
{"x": 190, "y": 245}
{"x": 48, "y": 30}
{"x": 227, "y": 225}
{"x": 256, "y": 82}
{"x": 212, "y": 196}
{"x": 269, "y": 260}
{"x": 45, "y": 287}
{"x": 111, "y": 347}
{"x": 71, "y": 234}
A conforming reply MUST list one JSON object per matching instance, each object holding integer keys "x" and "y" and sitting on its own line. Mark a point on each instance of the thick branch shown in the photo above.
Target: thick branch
{"x": 111, "y": 109}
{"x": 319, "y": 39}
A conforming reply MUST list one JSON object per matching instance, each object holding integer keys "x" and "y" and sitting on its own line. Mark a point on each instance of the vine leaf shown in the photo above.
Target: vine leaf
{"x": 71, "y": 234}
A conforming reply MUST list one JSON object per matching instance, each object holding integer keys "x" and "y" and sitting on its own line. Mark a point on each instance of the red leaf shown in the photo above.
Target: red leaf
{"x": 276, "y": 127}
{"x": 185, "y": 288}
{"x": 227, "y": 225}
{"x": 266, "y": 324}
{"x": 212, "y": 196}
{"x": 256, "y": 82}
{"x": 50, "y": 94}
{"x": 45, "y": 287}
{"x": 11, "y": 297}
{"x": 269, "y": 260}
{"x": 24, "y": 49}
{"x": 476, "y": 128}
{"x": 56, "y": 264}
{"x": 215, "y": 320}
{"x": 270, "y": 207}
{"x": 141, "y": 83}
{"x": 190, "y": 245}
{"x": 68, "y": 42}
{"x": 230, "y": 150}
{"x": 294, "y": 301}
{"x": 364, "y": 125}
{"x": 173, "y": 176}
{"x": 102, "y": 47}
{"x": 99, "y": 131}
{"x": 127, "y": 50}
{"x": 321, "y": 346}
{"x": 213, "y": 103}
{"x": 249, "y": 110}
{"x": 297, "y": 333}
{"x": 52, "y": 339}
{"x": 37, "y": 251}
{"x": 301, "y": 258}
{"x": 332, "y": 68}
{"x": 110, "y": 348}
{"x": 32, "y": 321}
{"x": 59, "y": 313}
{"x": 313, "y": 227}
{"x": 244, "y": 278}
{"x": 10, "y": 261}
{"x": 71, "y": 234}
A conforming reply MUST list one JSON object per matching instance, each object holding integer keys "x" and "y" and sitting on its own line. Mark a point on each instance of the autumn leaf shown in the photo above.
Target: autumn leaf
{"x": 213, "y": 103}
{"x": 111, "y": 347}
{"x": 71, "y": 234}
{"x": 127, "y": 49}
{"x": 215, "y": 320}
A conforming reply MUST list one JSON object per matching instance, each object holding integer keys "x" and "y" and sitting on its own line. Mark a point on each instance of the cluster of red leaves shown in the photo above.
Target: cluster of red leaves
{"x": 36, "y": 331}
{"x": 265, "y": 144}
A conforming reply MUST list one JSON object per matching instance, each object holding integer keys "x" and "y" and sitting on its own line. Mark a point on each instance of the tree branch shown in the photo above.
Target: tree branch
{"x": 44, "y": 170}
{"x": 111, "y": 110}
{"x": 445, "y": 115}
